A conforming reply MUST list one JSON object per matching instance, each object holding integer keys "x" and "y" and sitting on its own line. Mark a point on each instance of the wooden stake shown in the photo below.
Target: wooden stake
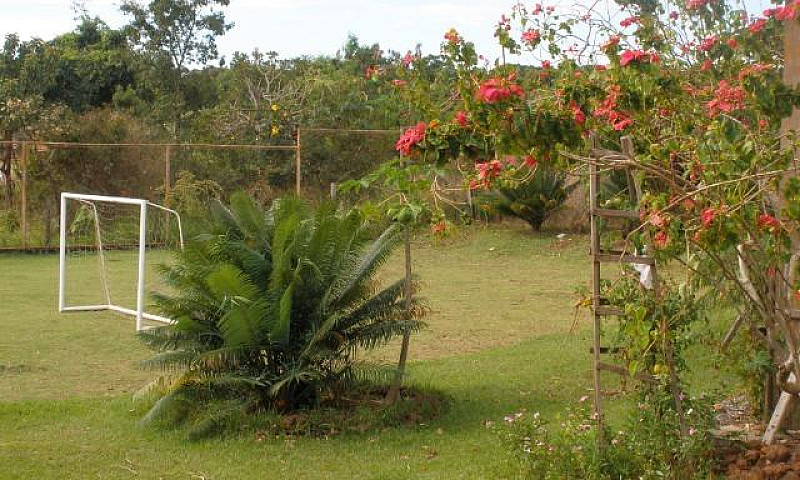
{"x": 24, "y": 195}
{"x": 297, "y": 160}
{"x": 167, "y": 175}
{"x": 394, "y": 392}
{"x": 595, "y": 251}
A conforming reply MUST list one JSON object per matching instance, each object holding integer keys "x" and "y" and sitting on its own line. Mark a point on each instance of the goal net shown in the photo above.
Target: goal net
{"x": 110, "y": 251}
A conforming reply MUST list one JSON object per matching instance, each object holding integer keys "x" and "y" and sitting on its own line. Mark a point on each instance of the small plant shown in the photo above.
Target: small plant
{"x": 536, "y": 199}
{"x": 649, "y": 446}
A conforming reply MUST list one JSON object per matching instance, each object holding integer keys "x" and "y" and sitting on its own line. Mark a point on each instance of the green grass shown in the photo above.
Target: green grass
{"x": 498, "y": 342}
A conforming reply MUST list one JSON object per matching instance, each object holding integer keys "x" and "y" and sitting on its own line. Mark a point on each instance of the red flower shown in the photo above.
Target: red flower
{"x": 600, "y": 68}
{"x": 788, "y": 12}
{"x": 410, "y": 138}
{"x": 537, "y": 9}
{"x": 498, "y": 89}
{"x": 530, "y": 161}
{"x": 622, "y": 124}
{"x": 488, "y": 171}
{"x": 638, "y": 56}
{"x": 461, "y": 118}
{"x": 695, "y": 4}
{"x": 578, "y": 115}
{"x": 707, "y": 216}
{"x": 726, "y": 99}
{"x": 708, "y": 43}
{"x": 661, "y": 239}
{"x": 733, "y": 43}
{"x": 757, "y": 26}
{"x": 399, "y": 83}
{"x": 706, "y": 66}
{"x": 627, "y": 22}
{"x": 673, "y": 15}
{"x": 768, "y": 222}
{"x": 452, "y": 36}
{"x": 408, "y": 59}
{"x": 546, "y": 64}
{"x": 531, "y": 37}
{"x": 438, "y": 228}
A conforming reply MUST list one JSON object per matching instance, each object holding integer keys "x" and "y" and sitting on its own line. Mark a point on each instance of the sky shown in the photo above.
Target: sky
{"x": 304, "y": 27}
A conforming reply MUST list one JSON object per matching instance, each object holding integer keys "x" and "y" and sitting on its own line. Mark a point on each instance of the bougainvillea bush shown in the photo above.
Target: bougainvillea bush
{"x": 697, "y": 85}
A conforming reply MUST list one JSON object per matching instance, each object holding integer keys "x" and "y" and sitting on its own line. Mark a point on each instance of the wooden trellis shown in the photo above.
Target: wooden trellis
{"x": 601, "y": 310}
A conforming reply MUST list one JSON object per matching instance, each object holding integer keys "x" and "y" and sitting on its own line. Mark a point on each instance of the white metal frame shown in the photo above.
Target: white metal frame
{"x": 139, "y": 313}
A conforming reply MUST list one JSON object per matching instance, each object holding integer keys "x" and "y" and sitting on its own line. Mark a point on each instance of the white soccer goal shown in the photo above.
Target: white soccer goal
{"x": 108, "y": 251}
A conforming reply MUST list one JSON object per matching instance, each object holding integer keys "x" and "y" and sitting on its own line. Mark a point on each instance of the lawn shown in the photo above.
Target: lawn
{"x": 499, "y": 340}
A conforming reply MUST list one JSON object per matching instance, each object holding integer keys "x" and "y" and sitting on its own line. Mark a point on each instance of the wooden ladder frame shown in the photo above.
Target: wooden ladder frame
{"x": 600, "y": 256}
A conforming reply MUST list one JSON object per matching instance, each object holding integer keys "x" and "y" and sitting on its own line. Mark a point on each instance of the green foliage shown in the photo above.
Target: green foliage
{"x": 273, "y": 307}
{"x": 536, "y": 198}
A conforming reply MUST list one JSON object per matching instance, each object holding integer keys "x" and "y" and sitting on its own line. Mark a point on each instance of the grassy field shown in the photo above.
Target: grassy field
{"x": 498, "y": 341}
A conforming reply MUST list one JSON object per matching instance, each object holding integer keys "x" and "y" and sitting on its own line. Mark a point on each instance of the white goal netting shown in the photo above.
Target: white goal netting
{"x": 110, "y": 252}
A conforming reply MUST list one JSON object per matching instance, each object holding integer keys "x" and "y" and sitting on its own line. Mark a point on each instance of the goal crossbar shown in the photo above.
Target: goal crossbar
{"x": 91, "y": 200}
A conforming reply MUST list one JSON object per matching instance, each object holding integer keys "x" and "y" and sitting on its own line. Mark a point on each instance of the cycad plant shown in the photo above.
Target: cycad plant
{"x": 535, "y": 199}
{"x": 272, "y": 307}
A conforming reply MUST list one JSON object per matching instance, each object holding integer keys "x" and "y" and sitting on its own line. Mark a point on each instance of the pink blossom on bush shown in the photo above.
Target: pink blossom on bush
{"x": 461, "y": 118}
{"x": 727, "y": 99}
{"x": 410, "y": 138}
{"x": 531, "y": 37}
{"x": 498, "y": 89}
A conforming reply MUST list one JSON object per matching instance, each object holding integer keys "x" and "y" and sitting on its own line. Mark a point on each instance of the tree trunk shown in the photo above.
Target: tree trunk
{"x": 394, "y": 392}
{"x": 5, "y": 168}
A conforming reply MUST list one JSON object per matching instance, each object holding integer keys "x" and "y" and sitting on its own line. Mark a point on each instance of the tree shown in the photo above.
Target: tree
{"x": 176, "y": 34}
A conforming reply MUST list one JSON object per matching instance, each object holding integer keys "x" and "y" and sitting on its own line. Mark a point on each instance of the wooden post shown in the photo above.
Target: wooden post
{"x": 297, "y": 160}
{"x": 334, "y": 191}
{"x": 167, "y": 175}
{"x": 394, "y": 391}
{"x": 595, "y": 250}
{"x": 24, "y": 195}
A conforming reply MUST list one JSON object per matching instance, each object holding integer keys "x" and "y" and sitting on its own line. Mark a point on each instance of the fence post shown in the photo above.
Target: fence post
{"x": 167, "y": 175}
{"x": 24, "y": 195}
{"x": 297, "y": 165}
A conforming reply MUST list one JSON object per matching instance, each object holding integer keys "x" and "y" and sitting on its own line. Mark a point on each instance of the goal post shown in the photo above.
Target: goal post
{"x": 110, "y": 240}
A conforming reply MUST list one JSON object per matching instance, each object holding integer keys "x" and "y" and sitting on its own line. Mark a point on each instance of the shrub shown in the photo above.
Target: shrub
{"x": 272, "y": 308}
{"x": 535, "y": 199}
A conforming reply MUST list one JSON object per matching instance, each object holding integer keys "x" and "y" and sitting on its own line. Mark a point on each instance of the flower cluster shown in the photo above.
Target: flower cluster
{"x": 638, "y": 56}
{"x": 531, "y": 36}
{"x": 497, "y": 89}
{"x": 608, "y": 110}
{"x": 727, "y": 99}
{"x": 410, "y": 138}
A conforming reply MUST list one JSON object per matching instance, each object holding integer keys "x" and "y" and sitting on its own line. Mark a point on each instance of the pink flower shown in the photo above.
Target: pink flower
{"x": 661, "y": 239}
{"x": 708, "y": 43}
{"x": 399, "y": 83}
{"x": 788, "y": 12}
{"x": 537, "y": 9}
{"x": 410, "y": 138}
{"x": 707, "y": 216}
{"x": 656, "y": 220}
{"x": 727, "y": 99}
{"x": 706, "y": 66}
{"x": 531, "y": 37}
{"x": 461, "y": 118}
{"x": 578, "y": 115}
{"x": 622, "y": 123}
{"x": 757, "y": 26}
{"x": 498, "y": 89}
{"x": 600, "y": 68}
{"x": 695, "y": 4}
{"x": 530, "y": 161}
{"x": 627, "y": 22}
{"x": 488, "y": 171}
{"x": 768, "y": 222}
{"x": 408, "y": 59}
{"x": 546, "y": 64}
{"x": 733, "y": 43}
{"x": 673, "y": 15}
{"x": 638, "y": 56}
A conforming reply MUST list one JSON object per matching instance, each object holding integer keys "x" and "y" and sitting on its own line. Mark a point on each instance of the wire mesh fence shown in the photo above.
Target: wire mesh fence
{"x": 183, "y": 176}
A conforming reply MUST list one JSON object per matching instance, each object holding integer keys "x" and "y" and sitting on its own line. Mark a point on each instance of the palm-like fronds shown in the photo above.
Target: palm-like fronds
{"x": 276, "y": 303}
{"x": 535, "y": 199}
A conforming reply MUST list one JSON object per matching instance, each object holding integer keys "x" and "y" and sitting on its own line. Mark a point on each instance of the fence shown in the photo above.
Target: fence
{"x": 33, "y": 174}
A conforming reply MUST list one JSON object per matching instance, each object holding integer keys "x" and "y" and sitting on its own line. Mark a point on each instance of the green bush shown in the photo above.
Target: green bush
{"x": 271, "y": 309}
{"x": 536, "y": 199}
